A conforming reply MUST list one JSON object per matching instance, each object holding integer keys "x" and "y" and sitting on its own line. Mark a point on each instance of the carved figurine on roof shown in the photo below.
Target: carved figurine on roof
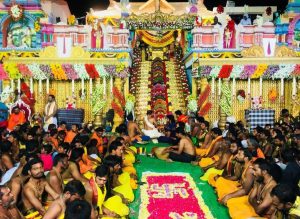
{"x": 19, "y": 21}
{"x": 97, "y": 36}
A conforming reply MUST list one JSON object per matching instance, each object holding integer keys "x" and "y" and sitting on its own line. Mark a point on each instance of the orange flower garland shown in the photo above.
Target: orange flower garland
{"x": 260, "y": 70}
{"x": 58, "y": 72}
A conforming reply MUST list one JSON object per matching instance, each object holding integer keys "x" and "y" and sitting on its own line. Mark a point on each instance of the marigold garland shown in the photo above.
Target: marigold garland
{"x": 58, "y": 72}
{"x": 260, "y": 70}
{"x": 205, "y": 109}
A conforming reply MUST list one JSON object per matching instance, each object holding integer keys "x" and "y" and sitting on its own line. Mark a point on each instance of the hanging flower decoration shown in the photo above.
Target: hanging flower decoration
{"x": 37, "y": 73}
{"x": 117, "y": 109}
{"x": 70, "y": 71}
{"x": 119, "y": 96}
{"x": 248, "y": 71}
{"x": 220, "y": 9}
{"x": 81, "y": 71}
{"x": 215, "y": 71}
{"x": 58, "y": 72}
{"x": 236, "y": 71}
{"x": 24, "y": 70}
{"x": 92, "y": 71}
{"x": 110, "y": 69}
{"x": 260, "y": 70}
{"x": 47, "y": 71}
{"x": 241, "y": 96}
{"x": 226, "y": 101}
{"x": 225, "y": 71}
{"x": 284, "y": 71}
{"x": 205, "y": 71}
{"x": 37, "y": 26}
{"x": 3, "y": 74}
{"x": 296, "y": 71}
{"x": 269, "y": 73}
{"x": 130, "y": 101}
{"x": 272, "y": 95}
{"x": 203, "y": 104}
{"x": 97, "y": 101}
{"x": 269, "y": 11}
{"x": 101, "y": 70}
{"x": 192, "y": 104}
{"x": 12, "y": 70}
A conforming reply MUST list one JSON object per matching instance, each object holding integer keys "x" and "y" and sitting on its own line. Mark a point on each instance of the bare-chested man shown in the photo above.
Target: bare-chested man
{"x": 185, "y": 151}
{"x": 73, "y": 190}
{"x": 133, "y": 129}
{"x": 7, "y": 208}
{"x": 149, "y": 126}
{"x": 35, "y": 187}
{"x": 54, "y": 178}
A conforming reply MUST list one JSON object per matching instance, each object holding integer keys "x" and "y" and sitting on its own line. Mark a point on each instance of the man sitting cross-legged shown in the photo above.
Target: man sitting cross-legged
{"x": 35, "y": 187}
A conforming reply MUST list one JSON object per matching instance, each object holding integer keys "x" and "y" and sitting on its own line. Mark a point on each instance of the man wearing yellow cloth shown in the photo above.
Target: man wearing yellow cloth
{"x": 232, "y": 171}
{"x": 259, "y": 200}
{"x": 218, "y": 167}
{"x": 209, "y": 152}
{"x": 72, "y": 191}
{"x": 227, "y": 189}
{"x": 115, "y": 207}
{"x": 96, "y": 192}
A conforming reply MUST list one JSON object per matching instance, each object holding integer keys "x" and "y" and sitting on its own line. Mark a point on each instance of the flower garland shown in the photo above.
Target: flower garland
{"x": 110, "y": 69}
{"x": 272, "y": 69}
{"x": 70, "y": 71}
{"x": 119, "y": 96}
{"x": 284, "y": 71}
{"x": 81, "y": 71}
{"x": 203, "y": 97}
{"x": 226, "y": 102}
{"x": 117, "y": 109}
{"x": 248, "y": 71}
{"x": 47, "y": 71}
{"x": 24, "y": 70}
{"x": 12, "y": 70}
{"x": 192, "y": 104}
{"x": 130, "y": 101}
{"x": 71, "y": 20}
{"x": 97, "y": 101}
{"x": 37, "y": 26}
{"x": 38, "y": 74}
{"x": 101, "y": 70}
{"x": 260, "y": 70}
{"x": 91, "y": 70}
{"x": 215, "y": 71}
{"x": 204, "y": 71}
{"x": 236, "y": 71}
{"x": 225, "y": 71}
{"x": 58, "y": 72}
{"x": 296, "y": 71}
{"x": 3, "y": 74}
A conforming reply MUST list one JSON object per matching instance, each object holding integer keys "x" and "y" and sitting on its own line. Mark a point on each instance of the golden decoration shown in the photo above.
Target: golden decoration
{"x": 284, "y": 51}
{"x": 253, "y": 52}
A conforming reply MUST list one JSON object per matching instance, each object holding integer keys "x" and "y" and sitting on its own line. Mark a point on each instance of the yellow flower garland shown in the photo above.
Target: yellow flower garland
{"x": 12, "y": 70}
{"x": 260, "y": 70}
{"x": 58, "y": 72}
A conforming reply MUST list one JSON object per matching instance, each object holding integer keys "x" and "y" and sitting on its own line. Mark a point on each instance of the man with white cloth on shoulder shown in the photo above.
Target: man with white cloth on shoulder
{"x": 149, "y": 124}
{"x": 50, "y": 112}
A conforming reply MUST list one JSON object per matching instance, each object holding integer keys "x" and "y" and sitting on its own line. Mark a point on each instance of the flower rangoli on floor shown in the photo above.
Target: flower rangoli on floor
{"x": 171, "y": 195}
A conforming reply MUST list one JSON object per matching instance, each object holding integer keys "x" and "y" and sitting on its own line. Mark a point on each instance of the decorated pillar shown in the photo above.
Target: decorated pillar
{"x": 202, "y": 85}
{"x": 119, "y": 112}
{"x": 98, "y": 118}
{"x": 194, "y": 87}
{"x": 225, "y": 103}
{"x": 296, "y": 99}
